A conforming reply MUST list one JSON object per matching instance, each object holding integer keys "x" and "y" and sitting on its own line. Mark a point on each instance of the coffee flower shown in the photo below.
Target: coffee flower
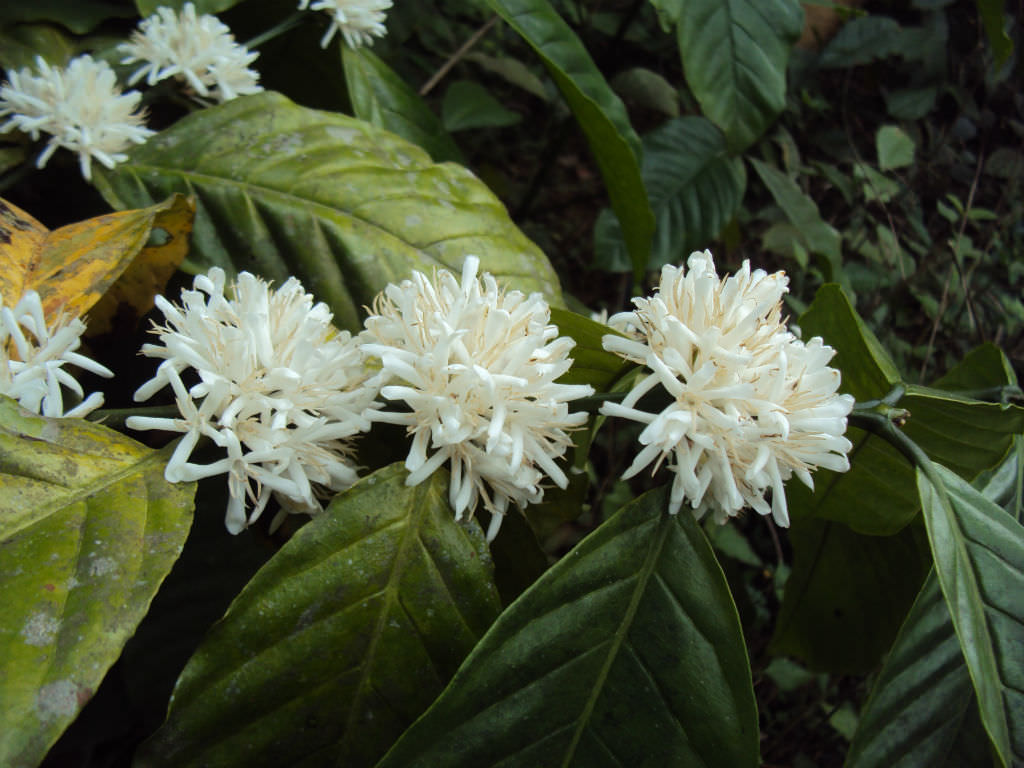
{"x": 475, "y": 367}
{"x": 80, "y": 106}
{"x": 279, "y": 389}
{"x": 359, "y": 20}
{"x": 197, "y": 49}
{"x": 749, "y": 404}
{"x": 33, "y": 355}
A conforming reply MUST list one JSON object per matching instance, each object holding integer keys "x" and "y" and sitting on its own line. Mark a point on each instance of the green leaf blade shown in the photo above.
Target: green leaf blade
{"x": 341, "y": 640}
{"x": 343, "y": 206}
{"x": 734, "y": 55}
{"x": 599, "y": 111}
{"x": 83, "y": 558}
{"x": 695, "y": 190}
{"x": 626, "y": 652}
{"x": 979, "y": 560}
{"x": 381, "y": 97}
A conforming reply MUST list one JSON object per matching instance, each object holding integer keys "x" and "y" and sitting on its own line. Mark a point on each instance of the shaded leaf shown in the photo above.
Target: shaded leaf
{"x": 73, "y": 266}
{"x": 599, "y": 112}
{"x": 695, "y": 189}
{"x": 79, "y": 16}
{"x": 993, "y": 16}
{"x": 148, "y": 7}
{"x": 89, "y": 528}
{"x": 381, "y": 97}
{"x": 979, "y": 561}
{"x": 647, "y": 88}
{"x": 860, "y": 41}
{"x": 21, "y": 43}
{"x": 467, "y": 104}
{"x": 817, "y": 235}
{"x": 627, "y": 652}
{"x": 340, "y": 640}
{"x": 734, "y": 56}
{"x": 345, "y": 207}
{"x": 591, "y": 363}
{"x": 894, "y": 146}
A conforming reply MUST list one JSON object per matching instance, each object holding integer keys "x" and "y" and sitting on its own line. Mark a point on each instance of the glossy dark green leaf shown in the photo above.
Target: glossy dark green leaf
{"x": 695, "y": 189}
{"x": 734, "y": 56}
{"x": 340, "y": 640}
{"x": 89, "y": 528}
{"x": 283, "y": 191}
{"x": 381, "y": 97}
{"x": 591, "y": 363}
{"x": 848, "y": 593}
{"x": 600, "y": 113}
{"x": 979, "y": 561}
{"x": 627, "y": 652}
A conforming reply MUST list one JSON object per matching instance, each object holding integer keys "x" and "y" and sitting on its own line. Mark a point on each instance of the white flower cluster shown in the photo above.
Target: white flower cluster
{"x": 359, "y": 20}
{"x": 749, "y": 404}
{"x": 198, "y": 49}
{"x": 475, "y": 366}
{"x": 33, "y": 355}
{"x": 279, "y": 389}
{"x": 80, "y": 106}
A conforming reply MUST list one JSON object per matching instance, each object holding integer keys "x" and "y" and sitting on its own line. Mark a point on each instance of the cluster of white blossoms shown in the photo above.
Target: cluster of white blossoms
{"x": 197, "y": 49}
{"x": 475, "y": 367}
{"x": 80, "y": 106}
{"x": 33, "y": 355}
{"x": 359, "y": 20}
{"x": 279, "y": 389}
{"x": 749, "y": 404}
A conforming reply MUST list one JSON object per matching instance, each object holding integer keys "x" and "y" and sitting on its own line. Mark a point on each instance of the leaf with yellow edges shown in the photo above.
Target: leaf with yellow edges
{"x": 73, "y": 266}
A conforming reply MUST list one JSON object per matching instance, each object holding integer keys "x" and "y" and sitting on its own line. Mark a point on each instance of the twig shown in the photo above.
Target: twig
{"x": 458, "y": 55}
{"x": 949, "y": 275}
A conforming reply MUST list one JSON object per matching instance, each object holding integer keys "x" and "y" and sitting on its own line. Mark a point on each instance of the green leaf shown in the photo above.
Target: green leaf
{"x": 734, "y": 56}
{"x": 381, "y": 97}
{"x": 817, "y": 235}
{"x": 347, "y": 208}
{"x": 695, "y": 190}
{"x": 979, "y": 560}
{"x": 911, "y": 103}
{"x": 467, "y": 104}
{"x": 148, "y": 7}
{"x": 21, "y": 43}
{"x": 993, "y": 16}
{"x": 861, "y": 41}
{"x": 868, "y": 371}
{"x": 848, "y": 593}
{"x": 647, "y": 88}
{"x": 89, "y": 528}
{"x": 922, "y": 706}
{"x": 626, "y": 652}
{"x": 340, "y": 640}
{"x": 895, "y": 148}
{"x": 599, "y": 112}
{"x": 591, "y": 363}
{"x": 79, "y": 16}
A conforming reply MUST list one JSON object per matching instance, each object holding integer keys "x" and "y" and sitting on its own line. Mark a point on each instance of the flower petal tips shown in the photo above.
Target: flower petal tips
{"x": 196, "y": 49}
{"x": 358, "y": 20}
{"x": 33, "y": 354}
{"x": 475, "y": 367}
{"x": 279, "y": 390}
{"x": 80, "y": 106}
{"x": 751, "y": 404}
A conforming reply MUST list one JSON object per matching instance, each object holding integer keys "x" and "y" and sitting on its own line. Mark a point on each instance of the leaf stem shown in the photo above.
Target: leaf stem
{"x": 458, "y": 55}
{"x": 116, "y": 417}
{"x": 276, "y": 30}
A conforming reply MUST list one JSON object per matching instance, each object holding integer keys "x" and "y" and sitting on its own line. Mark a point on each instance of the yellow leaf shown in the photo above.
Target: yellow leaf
{"x": 73, "y": 266}
{"x": 132, "y": 295}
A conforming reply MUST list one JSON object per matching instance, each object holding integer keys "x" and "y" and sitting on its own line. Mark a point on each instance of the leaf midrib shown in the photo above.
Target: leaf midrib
{"x": 619, "y": 638}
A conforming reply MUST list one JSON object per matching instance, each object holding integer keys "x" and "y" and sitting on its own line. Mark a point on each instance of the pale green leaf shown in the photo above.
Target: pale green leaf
{"x": 89, "y": 528}
{"x": 894, "y": 146}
